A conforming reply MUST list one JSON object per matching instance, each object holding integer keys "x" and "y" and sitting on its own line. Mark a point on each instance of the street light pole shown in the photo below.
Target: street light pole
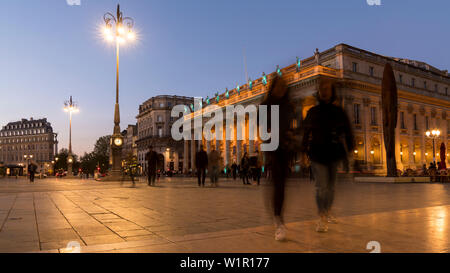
{"x": 118, "y": 35}
{"x": 70, "y": 107}
{"x": 433, "y": 135}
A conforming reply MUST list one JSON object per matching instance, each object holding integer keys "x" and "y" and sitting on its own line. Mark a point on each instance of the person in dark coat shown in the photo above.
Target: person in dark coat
{"x": 278, "y": 160}
{"x": 244, "y": 169}
{"x": 152, "y": 162}
{"x": 201, "y": 162}
{"x": 32, "y": 171}
{"x": 327, "y": 140}
{"x": 234, "y": 170}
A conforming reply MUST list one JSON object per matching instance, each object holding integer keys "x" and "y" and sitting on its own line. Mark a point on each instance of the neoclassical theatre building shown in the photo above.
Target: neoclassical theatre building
{"x": 423, "y": 96}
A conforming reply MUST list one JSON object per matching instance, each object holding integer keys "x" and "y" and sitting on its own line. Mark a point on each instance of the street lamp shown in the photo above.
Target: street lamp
{"x": 433, "y": 134}
{"x": 27, "y": 160}
{"x": 119, "y": 29}
{"x": 70, "y": 107}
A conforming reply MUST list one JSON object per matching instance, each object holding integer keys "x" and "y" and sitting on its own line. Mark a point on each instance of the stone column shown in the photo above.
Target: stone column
{"x": 366, "y": 120}
{"x": 397, "y": 145}
{"x": 444, "y": 134}
{"x": 227, "y": 153}
{"x": 410, "y": 114}
{"x": 422, "y": 129}
{"x": 186, "y": 156}
{"x": 208, "y": 146}
{"x": 193, "y": 151}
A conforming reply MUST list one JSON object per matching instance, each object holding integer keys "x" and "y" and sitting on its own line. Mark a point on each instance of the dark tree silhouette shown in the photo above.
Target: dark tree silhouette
{"x": 390, "y": 106}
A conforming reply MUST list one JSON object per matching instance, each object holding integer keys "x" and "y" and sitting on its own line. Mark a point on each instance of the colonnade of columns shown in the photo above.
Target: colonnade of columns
{"x": 230, "y": 150}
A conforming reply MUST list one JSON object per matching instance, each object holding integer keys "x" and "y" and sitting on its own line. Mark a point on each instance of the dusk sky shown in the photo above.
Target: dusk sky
{"x": 51, "y": 50}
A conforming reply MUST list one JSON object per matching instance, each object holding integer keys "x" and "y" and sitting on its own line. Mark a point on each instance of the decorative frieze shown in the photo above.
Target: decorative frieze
{"x": 410, "y": 108}
{"x": 433, "y": 113}
{"x": 422, "y": 110}
{"x": 366, "y": 102}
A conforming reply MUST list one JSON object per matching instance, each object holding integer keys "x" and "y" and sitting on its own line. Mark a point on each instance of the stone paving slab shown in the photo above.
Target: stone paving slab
{"x": 177, "y": 216}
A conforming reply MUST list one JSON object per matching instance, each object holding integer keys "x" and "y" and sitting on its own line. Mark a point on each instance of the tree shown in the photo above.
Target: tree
{"x": 389, "y": 111}
{"x": 88, "y": 163}
{"x": 101, "y": 153}
{"x": 61, "y": 163}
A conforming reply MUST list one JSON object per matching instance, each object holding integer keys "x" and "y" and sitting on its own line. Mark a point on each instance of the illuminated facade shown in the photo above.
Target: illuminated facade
{"x": 424, "y": 103}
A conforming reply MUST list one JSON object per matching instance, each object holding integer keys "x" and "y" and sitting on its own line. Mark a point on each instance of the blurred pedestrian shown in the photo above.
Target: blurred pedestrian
{"x": 327, "y": 140}
{"x": 201, "y": 161}
{"x": 278, "y": 160}
{"x": 32, "y": 171}
{"x": 244, "y": 169}
{"x": 234, "y": 170}
{"x": 152, "y": 162}
{"x": 214, "y": 166}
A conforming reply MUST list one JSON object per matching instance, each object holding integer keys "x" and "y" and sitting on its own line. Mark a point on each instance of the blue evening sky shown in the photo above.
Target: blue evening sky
{"x": 51, "y": 50}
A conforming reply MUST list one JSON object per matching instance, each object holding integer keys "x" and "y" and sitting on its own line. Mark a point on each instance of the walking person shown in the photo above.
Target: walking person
{"x": 214, "y": 166}
{"x": 244, "y": 170}
{"x": 278, "y": 160}
{"x": 152, "y": 162}
{"x": 234, "y": 170}
{"x": 32, "y": 171}
{"x": 201, "y": 162}
{"x": 327, "y": 140}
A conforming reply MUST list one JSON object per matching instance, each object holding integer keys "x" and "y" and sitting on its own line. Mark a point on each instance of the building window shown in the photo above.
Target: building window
{"x": 400, "y": 78}
{"x": 446, "y": 91}
{"x": 355, "y": 67}
{"x": 160, "y": 132}
{"x": 159, "y": 118}
{"x": 427, "y": 127}
{"x": 424, "y": 84}
{"x": 402, "y": 120}
{"x": 356, "y": 112}
{"x": 371, "y": 71}
{"x": 161, "y": 105}
{"x": 373, "y": 115}
{"x": 413, "y": 82}
{"x": 436, "y": 87}
{"x": 415, "y": 122}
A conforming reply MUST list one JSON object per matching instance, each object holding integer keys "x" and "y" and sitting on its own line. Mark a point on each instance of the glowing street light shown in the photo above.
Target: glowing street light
{"x": 70, "y": 107}
{"x": 433, "y": 134}
{"x": 119, "y": 29}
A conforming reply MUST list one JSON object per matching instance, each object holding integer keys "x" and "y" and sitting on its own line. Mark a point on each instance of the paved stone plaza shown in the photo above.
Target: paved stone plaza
{"x": 177, "y": 216}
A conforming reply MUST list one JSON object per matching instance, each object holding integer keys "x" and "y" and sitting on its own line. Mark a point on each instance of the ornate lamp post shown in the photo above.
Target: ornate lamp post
{"x": 433, "y": 134}
{"x": 27, "y": 159}
{"x": 117, "y": 29}
{"x": 70, "y": 107}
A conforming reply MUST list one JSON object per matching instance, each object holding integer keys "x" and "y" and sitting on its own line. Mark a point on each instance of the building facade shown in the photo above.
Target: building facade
{"x": 26, "y": 140}
{"x": 154, "y": 123}
{"x": 130, "y": 137}
{"x": 423, "y": 104}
